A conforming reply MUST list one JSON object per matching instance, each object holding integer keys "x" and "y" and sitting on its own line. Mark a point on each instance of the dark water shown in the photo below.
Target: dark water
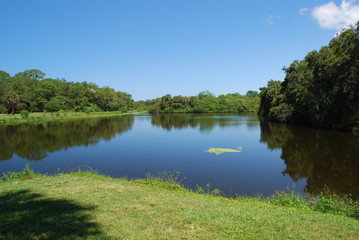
{"x": 274, "y": 156}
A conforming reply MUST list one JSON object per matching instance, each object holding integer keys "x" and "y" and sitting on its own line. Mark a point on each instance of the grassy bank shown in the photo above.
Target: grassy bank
{"x": 90, "y": 206}
{"x": 34, "y": 118}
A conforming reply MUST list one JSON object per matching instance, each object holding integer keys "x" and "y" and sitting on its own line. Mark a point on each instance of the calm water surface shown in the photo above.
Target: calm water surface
{"x": 274, "y": 156}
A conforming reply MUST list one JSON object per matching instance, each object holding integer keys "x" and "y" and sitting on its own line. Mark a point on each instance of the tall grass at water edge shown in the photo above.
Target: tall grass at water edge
{"x": 325, "y": 202}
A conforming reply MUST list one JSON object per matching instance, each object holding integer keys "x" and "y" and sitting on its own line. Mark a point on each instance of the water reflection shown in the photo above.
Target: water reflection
{"x": 33, "y": 142}
{"x": 318, "y": 157}
{"x": 204, "y": 122}
{"x": 327, "y": 159}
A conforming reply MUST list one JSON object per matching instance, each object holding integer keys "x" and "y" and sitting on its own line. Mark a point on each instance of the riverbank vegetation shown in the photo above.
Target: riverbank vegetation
{"x": 205, "y": 102}
{"x": 322, "y": 89}
{"x": 85, "y": 205}
{"x": 39, "y": 99}
{"x": 44, "y": 117}
{"x": 31, "y": 91}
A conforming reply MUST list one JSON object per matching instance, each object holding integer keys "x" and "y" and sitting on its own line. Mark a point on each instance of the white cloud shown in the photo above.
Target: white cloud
{"x": 272, "y": 18}
{"x": 304, "y": 10}
{"x": 332, "y": 16}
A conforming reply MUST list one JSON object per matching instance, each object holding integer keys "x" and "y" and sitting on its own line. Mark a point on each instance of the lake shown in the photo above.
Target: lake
{"x": 270, "y": 157}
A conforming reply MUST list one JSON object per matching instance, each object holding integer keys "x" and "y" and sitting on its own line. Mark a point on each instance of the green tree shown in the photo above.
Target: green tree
{"x": 251, "y": 93}
{"x": 322, "y": 89}
{"x": 29, "y": 90}
{"x": 4, "y": 75}
{"x": 31, "y": 73}
{"x": 270, "y": 96}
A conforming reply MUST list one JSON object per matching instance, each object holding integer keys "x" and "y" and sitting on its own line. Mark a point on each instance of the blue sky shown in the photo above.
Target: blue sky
{"x": 149, "y": 48}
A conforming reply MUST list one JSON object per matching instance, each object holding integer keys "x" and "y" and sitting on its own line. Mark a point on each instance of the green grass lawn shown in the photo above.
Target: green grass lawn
{"x": 89, "y": 206}
{"x": 41, "y": 117}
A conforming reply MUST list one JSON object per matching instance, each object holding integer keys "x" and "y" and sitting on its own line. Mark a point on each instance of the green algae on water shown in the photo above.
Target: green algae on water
{"x": 219, "y": 151}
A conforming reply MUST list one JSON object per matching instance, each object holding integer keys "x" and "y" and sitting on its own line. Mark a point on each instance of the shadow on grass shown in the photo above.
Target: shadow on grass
{"x": 27, "y": 215}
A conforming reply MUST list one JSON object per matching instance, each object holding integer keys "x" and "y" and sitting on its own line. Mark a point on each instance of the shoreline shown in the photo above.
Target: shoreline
{"x": 111, "y": 208}
{"x": 41, "y": 117}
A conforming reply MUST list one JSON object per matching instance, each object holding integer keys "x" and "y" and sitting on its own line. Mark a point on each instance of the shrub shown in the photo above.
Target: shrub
{"x": 88, "y": 110}
{"x": 3, "y": 109}
{"x": 208, "y": 190}
{"x": 281, "y": 113}
{"x": 325, "y": 202}
{"x": 166, "y": 176}
{"x": 167, "y": 180}
{"x": 343, "y": 205}
{"x": 53, "y": 105}
{"x": 124, "y": 110}
{"x": 27, "y": 173}
{"x": 288, "y": 199}
{"x": 24, "y": 114}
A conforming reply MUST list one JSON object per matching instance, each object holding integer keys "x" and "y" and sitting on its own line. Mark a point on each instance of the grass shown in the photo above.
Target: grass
{"x": 85, "y": 205}
{"x": 41, "y": 117}
{"x": 325, "y": 203}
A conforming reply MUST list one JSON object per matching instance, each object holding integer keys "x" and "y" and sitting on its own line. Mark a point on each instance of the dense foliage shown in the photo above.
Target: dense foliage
{"x": 322, "y": 89}
{"x": 30, "y": 91}
{"x": 205, "y": 102}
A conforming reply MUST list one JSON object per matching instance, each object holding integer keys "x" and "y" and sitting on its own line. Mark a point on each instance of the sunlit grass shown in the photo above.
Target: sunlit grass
{"x": 41, "y": 117}
{"x": 100, "y": 207}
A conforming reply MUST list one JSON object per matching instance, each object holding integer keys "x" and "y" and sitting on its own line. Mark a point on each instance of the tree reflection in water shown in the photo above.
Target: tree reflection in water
{"x": 33, "y": 142}
{"x": 328, "y": 159}
{"x": 204, "y": 121}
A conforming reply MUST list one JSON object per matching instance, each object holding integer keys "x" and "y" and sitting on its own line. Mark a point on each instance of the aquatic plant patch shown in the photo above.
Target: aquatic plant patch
{"x": 219, "y": 151}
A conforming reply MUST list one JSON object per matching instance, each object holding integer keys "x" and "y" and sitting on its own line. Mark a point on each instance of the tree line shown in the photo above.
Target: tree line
{"x": 30, "y": 90}
{"x": 322, "y": 89}
{"x": 204, "y": 102}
